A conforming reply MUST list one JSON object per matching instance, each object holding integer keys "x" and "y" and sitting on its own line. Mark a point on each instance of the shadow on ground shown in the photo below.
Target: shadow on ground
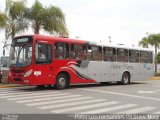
{"x": 34, "y": 88}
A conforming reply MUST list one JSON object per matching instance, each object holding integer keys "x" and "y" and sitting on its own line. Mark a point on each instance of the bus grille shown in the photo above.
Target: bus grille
{"x": 17, "y": 71}
{"x": 17, "y": 79}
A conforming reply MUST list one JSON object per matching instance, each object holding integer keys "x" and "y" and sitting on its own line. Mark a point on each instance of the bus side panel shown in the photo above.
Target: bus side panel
{"x": 112, "y": 71}
{"x": 146, "y": 71}
{"x": 77, "y": 74}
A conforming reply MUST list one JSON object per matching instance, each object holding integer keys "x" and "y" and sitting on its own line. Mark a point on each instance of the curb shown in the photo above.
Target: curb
{"x": 155, "y": 78}
{"x": 9, "y": 86}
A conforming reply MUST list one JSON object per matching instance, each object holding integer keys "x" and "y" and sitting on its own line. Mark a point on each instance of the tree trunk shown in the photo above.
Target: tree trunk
{"x": 37, "y": 28}
{"x": 155, "y": 60}
{"x": 36, "y": 31}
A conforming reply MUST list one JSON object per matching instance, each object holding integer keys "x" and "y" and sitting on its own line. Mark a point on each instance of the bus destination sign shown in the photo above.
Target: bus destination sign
{"x": 23, "y": 40}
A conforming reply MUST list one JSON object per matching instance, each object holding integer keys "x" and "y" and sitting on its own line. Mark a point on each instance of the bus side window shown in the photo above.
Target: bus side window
{"x": 122, "y": 55}
{"x": 61, "y": 50}
{"x": 144, "y": 57}
{"x": 134, "y": 56}
{"x": 105, "y": 54}
{"x": 109, "y": 54}
{"x": 114, "y": 54}
{"x": 95, "y": 53}
{"x": 150, "y": 57}
{"x": 78, "y": 52}
{"x": 43, "y": 53}
{"x": 99, "y": 54}
{"x": 73, "y": 52}
{"x": 90, "y": 53}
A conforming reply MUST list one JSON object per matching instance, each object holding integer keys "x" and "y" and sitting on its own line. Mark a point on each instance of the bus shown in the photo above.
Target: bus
{"x": 39, "y": 60}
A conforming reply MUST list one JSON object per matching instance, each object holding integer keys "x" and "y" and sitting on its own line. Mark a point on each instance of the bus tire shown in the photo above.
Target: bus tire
{"x": 61, "y": 81}
{"x": 125, "y": 78}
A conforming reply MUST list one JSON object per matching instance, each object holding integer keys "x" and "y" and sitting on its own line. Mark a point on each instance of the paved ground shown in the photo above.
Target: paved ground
{"x": 138, "y": 97}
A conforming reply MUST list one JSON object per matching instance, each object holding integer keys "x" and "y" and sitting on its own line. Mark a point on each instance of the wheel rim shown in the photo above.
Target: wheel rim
{"x": 62, "y": 82}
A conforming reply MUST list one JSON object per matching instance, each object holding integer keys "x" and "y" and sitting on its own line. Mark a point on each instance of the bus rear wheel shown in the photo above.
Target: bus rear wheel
{"x": 125, "y": 78}
{"x": 61, "y": 81}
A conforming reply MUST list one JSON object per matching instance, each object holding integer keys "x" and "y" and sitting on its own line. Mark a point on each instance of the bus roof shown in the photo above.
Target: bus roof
{"x": 61, "y": 39}
{"x": 77, "y": 41}
{"x": 126, "y": 47}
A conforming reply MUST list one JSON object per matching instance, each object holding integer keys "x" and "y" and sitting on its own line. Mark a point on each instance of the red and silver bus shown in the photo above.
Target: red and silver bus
{"x": 39, "y": 60}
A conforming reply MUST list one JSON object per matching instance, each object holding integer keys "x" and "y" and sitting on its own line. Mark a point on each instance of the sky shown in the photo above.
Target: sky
{"x": 125, "y": 21}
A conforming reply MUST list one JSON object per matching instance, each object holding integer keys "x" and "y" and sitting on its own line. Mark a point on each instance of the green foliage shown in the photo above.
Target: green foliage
{"x": 2, "y": 20}
{"x": 51, "y": 19}
{"x": 152, "y": 39}
{"x": 17, "y": 9}
{"x": 13, "y": 21}
{"x": 144, "y": 42}
{"x": 35, "y": 15}
{"x": 17, "y": 18}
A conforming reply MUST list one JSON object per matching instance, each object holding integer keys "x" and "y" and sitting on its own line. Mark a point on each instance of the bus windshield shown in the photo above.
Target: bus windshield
{"x": 21, "y": 52}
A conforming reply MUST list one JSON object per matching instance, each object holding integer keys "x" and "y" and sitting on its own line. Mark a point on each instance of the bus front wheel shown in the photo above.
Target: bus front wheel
{"x": 125, "y": 78}
{"x": 61, "y": 81}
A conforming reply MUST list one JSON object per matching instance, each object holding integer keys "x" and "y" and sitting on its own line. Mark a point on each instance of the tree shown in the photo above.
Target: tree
{"x": 2, "y": 20}
{"x": 13, "y": 20}
{"x": 51, "y": 19}
{"x": 144, "y": 42}
{"x": 153, "y": 40}
{"x": 158, "y": 57}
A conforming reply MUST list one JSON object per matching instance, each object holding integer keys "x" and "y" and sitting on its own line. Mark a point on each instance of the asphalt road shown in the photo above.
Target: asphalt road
{"x": 141, "y": 97}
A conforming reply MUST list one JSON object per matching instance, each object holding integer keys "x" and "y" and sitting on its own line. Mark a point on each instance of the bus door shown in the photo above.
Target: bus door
{"x": 43, "y": 70}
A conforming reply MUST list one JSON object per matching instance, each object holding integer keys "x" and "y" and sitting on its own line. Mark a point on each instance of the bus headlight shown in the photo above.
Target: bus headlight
{"x": 28, "y": 73}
